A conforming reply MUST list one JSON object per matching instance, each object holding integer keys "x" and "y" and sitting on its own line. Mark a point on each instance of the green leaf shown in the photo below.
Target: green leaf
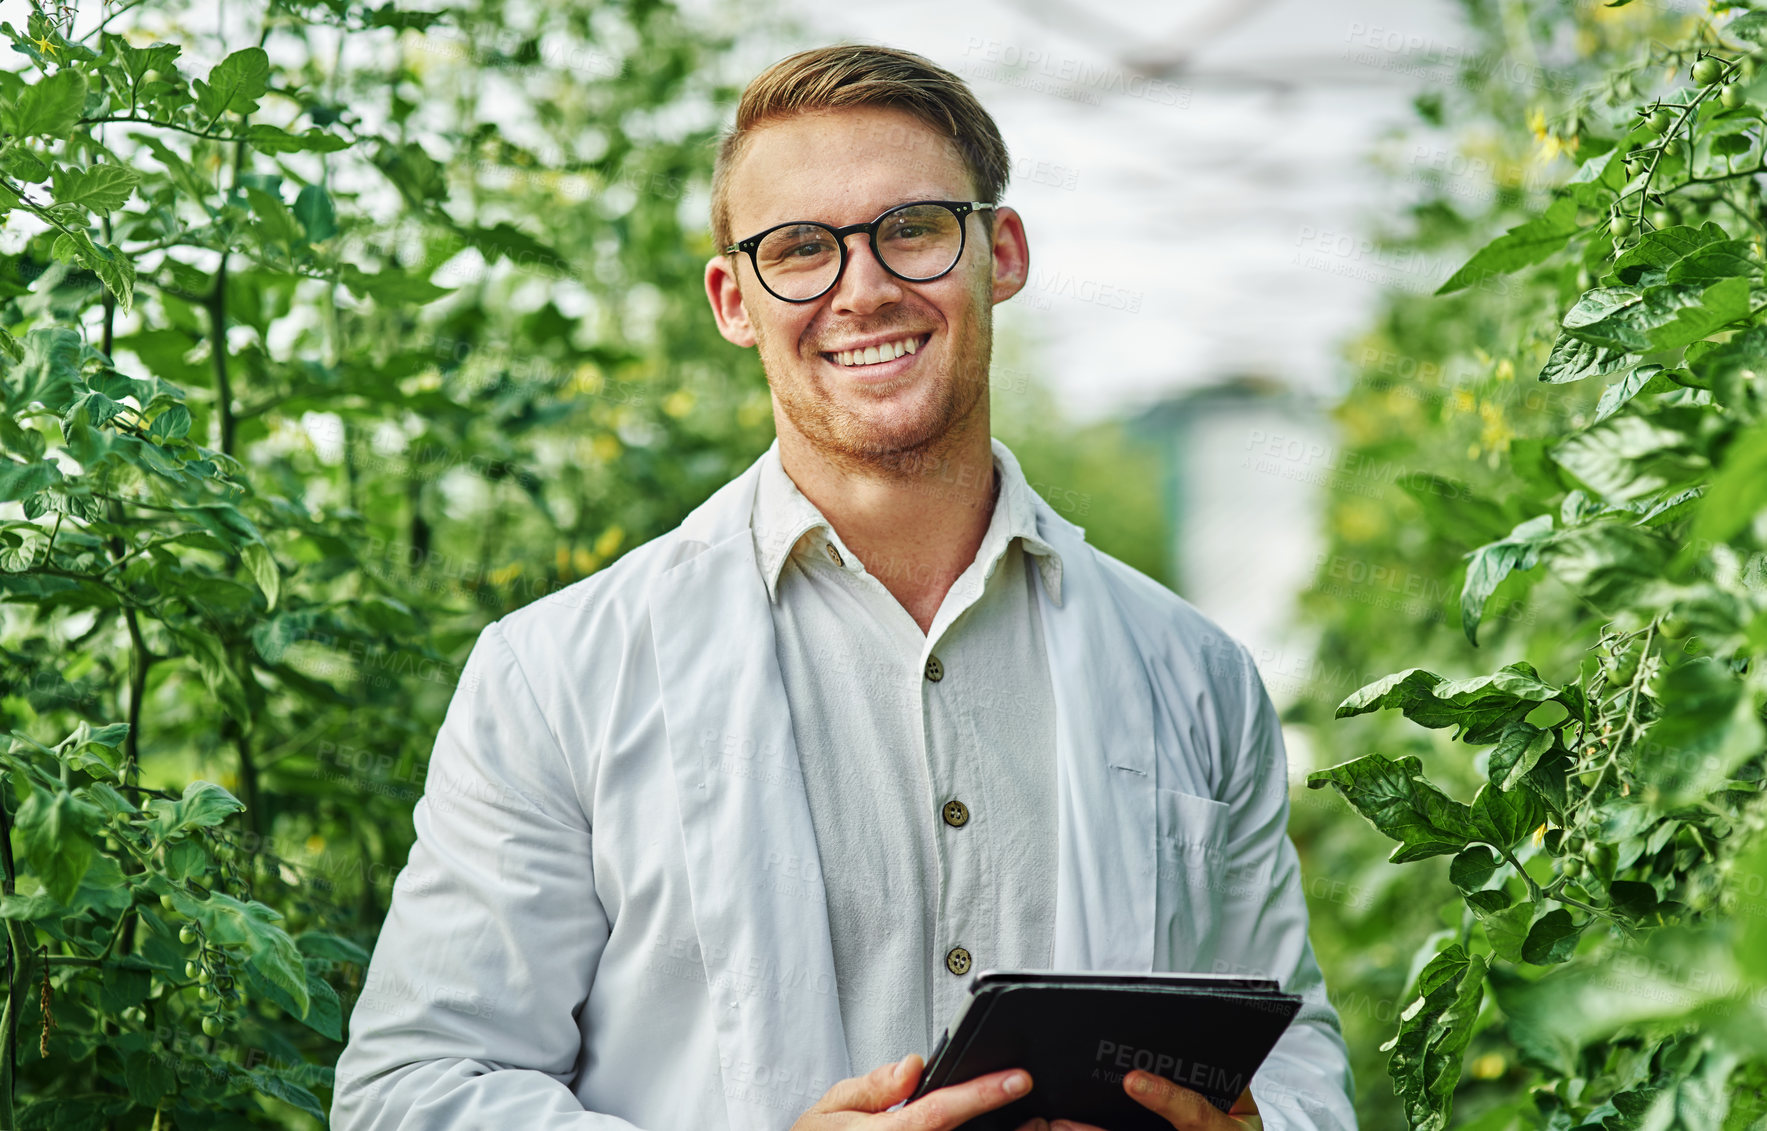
{"x": 51, "y": 106}
{"x": 1472, "y": 869}
{"x": 56, "y": 829}
{"x": 263, "y": 566}
{"x": 228, "y": 922}
{"x": 1708, "y": 728}
{"x": 1434, "y": 1031}
{"x": 1506, "y": 819}
{"x": 1651, "y": 258}
{"x": 390, "y": 287}
{"x": 102, "y": 188}
{"x": 1616, "y": 395}
{"x": 203, "y": 804}
{"x": 1626, "y": 457}
{"x": 1664, "y": 316}
{"x": 324, "y": 1014}
{"x": 171, "y": 424}
{"x": 314, "y": 210}
{"x": 1715, "y": 261}
{"x": 1633, "y": 898}
{"x": 271, "y": 1083}
{"x": 334, "y": 948}
{"x": 271, "y": 139}
{"x": 1552, "y": 939}
{"x": 148, "y": 1077}
{"x": 1402, "y": 804}
{"x": 1716, "y": 307}
{"x": 1573, "y": 359}
{"x": 21, "y": 480}
{"x": 1481, "y": 707}
{"x": 1737, "y": 493}
{"x": 1750, "y": 26}
{"x": 139, "y": 61}
{"x": 1522, "y": 246}
{"x": 1488, "y": 565}
{"x": 235, "y": 84}
{"x": 1518, "y": 752}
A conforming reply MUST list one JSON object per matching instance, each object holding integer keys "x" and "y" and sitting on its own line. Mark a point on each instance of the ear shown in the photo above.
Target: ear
{"x": 725, "y": 295}
{"x": 1012, "y": 254}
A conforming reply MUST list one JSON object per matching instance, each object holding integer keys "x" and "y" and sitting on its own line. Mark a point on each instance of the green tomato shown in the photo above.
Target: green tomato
{"x": 1707, "y": 71}
{"x": 1664, "y": 217}
{"x": 1659, "y": 122}
{"x": 1601, "y": 857}
{"x": 1571, "y": 866}
{"x": 212, "y": 1025}
{"x": 166, "y": 902}
{"x": 187, "y": 934}
{"x": 1620, "y": 226}
{"x": 191, "y": 970}
{"x": 1731, "y": 96}
{"x": 203, "y": 977}
{"x": 206, "y": 993}
{"x": 1575, "y": 844}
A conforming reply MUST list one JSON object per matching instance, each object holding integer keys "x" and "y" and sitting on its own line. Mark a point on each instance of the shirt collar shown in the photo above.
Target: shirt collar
{"x": 787, "y": 524}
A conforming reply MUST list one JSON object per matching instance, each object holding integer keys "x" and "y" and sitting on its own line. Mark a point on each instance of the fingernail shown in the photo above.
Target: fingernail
{"x": 1017, "y": 1084}
{"x": 902, "y": 1066}
{"x": 1142, "y": 1086}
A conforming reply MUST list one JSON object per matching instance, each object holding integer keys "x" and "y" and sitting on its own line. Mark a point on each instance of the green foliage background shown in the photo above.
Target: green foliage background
{"x": 326, "y": 344}
{"x": 1561, "y": 456}
{"x": 321, "y": 347}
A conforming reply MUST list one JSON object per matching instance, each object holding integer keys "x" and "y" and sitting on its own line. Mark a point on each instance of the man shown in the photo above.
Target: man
{"x": 709, "y": 834}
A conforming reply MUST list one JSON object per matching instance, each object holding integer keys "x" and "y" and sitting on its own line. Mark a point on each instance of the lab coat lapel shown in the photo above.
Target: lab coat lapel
{"x": 1107, "y": 851}
{"x": 752, "y": 864}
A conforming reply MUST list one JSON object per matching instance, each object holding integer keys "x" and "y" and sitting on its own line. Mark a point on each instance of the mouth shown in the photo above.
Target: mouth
{"x": 883, "y": 360}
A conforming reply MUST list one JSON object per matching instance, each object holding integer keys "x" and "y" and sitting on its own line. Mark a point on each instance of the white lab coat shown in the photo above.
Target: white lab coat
{"x": 612, "y": 917}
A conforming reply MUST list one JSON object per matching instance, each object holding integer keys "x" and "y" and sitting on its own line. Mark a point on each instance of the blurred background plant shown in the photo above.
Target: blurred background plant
{"x": 329, "y": 335}
{"x": 1560, "y": 455}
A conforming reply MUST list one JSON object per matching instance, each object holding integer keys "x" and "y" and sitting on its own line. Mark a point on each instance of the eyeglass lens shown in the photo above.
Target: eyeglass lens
{"x": 917, "y": 241}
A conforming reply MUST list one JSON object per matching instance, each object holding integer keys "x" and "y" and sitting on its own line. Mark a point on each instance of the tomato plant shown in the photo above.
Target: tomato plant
{"x": 1605, "y": 948}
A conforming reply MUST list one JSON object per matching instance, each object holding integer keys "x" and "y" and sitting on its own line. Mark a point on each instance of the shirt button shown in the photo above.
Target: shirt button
{"x": 956, "y": 814}
{"x": 957, "y": 960}
{"x": 935, "y": 671}
{"x": 834, "y": 555}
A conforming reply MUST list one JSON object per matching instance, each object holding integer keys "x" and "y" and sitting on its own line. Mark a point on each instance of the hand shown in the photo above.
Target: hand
{"x": 861, "y": 1101}
{"x": 1184, "y": 1109}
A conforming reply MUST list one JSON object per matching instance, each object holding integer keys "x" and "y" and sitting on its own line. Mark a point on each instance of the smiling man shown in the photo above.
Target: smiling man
{"x": 715, "y": 837}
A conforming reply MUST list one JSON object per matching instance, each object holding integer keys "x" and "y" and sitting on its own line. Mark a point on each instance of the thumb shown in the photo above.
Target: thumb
{"x": 878, "y": 1090}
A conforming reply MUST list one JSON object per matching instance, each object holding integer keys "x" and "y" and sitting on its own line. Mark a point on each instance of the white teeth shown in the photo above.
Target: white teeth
{"x": 871, "y": 355}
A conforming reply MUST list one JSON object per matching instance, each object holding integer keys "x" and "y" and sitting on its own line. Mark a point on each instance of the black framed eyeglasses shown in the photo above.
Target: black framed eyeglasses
{"x": 802, "y": 260}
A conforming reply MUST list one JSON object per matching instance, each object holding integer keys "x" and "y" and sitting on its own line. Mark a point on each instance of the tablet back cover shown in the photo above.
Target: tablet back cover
{"x": 1078, "y": 1042}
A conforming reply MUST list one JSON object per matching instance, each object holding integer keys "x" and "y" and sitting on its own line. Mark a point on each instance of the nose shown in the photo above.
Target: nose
{"x": 866, "y": 284}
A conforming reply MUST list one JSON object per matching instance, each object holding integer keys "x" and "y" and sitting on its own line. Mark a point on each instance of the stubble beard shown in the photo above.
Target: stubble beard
{"x": 896, "y": 449}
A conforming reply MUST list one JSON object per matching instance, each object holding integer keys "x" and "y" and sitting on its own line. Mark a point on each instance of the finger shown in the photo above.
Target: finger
{"x": 1244, "y": 1105}
{"x": 1037, "y": 1124}
{"x": 875, "y": 1091}
{"x": 957, "y": 1104}
{"x": 1184, "y": 1109}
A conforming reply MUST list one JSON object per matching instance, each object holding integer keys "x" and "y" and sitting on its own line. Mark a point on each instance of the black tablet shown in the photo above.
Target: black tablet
{"x": 1079, "y": 1034}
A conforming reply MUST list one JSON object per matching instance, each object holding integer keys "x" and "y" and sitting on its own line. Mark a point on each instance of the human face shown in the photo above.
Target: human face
{"x": 844, "y": 167}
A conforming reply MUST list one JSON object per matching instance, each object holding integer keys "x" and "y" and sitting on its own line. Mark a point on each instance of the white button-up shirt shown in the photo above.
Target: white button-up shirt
{"x": 933, "y": 799}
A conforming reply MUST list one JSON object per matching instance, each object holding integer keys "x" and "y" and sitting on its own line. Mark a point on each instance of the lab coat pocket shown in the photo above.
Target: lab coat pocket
{"x": 1192, "y": 837}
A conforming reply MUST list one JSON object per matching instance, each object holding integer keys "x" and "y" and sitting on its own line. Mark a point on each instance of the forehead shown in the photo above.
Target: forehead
{"x": 842, "y": 167}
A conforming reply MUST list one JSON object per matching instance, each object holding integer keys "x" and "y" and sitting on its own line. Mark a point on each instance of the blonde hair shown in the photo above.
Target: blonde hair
{"x": 850, "y": 75}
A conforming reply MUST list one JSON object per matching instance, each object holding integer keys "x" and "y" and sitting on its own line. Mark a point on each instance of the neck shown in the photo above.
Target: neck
{"x": 916, "y": 523}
